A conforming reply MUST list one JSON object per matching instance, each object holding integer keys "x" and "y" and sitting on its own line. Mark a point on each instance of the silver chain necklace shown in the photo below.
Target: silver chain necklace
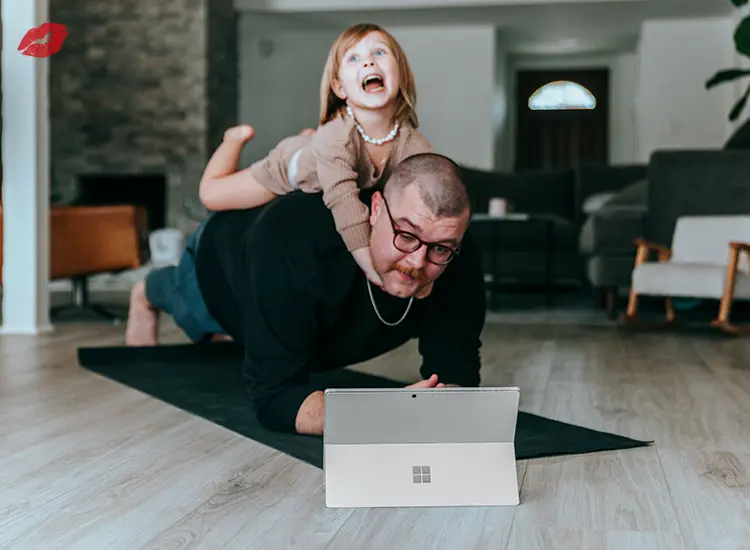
{"x": 368, "y": 139}
{"x": 372, "y": 301}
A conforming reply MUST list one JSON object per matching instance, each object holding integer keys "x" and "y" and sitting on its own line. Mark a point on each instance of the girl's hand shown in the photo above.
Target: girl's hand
{"x": 364, "y": 260}
{"x": 374, "y": 278}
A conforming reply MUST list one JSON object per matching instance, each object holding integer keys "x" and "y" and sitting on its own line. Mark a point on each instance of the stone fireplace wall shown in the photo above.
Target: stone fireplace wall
{"x": 142, "y": 87}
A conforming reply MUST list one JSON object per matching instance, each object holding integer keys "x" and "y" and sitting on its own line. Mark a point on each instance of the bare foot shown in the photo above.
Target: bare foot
{"x": 143, "y": 320}
{"x": 221, "y": 338}
{"x": 241, "y": 133}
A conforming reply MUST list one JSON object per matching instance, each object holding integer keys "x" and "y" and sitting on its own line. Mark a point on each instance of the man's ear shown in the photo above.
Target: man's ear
{"x": 376, "y": 205}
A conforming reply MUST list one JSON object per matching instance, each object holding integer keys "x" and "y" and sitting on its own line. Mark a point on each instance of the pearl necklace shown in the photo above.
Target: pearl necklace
{"x": 368, "y": 139}
{"x": 372, "y": 301}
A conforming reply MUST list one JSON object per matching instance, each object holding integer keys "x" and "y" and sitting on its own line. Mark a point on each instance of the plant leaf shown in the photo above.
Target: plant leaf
{"x": 739, "y": 3}
{"x": 737, "y": 109}
{"x": 742, "y": 37}
{"x": 725, "y": 75}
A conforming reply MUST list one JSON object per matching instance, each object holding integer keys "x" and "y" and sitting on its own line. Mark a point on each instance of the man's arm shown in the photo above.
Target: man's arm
{"x": 453, "y": 320}
{"x": 280, "y": 327}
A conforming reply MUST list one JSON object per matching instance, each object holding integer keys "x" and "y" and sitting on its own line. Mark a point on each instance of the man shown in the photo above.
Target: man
{"x": 280, "y": 281}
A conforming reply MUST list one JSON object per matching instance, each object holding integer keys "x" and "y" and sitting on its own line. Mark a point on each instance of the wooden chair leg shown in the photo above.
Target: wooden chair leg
{"x": 727, "y": 297}
{"x": 632, "y": 308}
{"x": 630, "y": 313}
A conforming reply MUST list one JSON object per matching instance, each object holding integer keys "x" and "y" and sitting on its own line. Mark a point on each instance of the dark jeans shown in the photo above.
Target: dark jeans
{"x": 175, "y": 290}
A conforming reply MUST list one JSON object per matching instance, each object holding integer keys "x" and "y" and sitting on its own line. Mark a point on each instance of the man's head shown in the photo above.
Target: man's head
{"x": 418, "y": 222}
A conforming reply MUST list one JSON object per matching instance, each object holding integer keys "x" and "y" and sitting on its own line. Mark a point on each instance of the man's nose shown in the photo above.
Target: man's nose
{"x": 418, "y": 258}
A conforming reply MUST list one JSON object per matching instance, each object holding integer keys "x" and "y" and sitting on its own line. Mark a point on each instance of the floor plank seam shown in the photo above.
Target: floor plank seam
{"x": 506, "y": 546}
{"x": 683, "y": 533}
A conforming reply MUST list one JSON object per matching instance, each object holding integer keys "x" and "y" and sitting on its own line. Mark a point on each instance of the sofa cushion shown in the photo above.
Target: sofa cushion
{"x": 635, "y": 194}
{"x": 596, "y": 202}
{"x": 596, "y": 179}
{"x": 612, "y": 230}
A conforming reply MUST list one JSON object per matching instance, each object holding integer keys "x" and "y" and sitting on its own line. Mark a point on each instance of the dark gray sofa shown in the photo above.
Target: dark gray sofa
{"x": 606, "y": 241}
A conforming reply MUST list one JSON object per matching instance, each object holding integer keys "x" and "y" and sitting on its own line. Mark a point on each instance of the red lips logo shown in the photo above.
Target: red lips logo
{"x": 43, "y": 41}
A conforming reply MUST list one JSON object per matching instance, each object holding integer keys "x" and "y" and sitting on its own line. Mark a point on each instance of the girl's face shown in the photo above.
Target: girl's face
{"x": 368, "y": 75}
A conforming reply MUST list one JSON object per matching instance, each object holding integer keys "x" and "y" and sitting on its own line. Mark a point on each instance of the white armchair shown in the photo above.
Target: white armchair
{"x": 709, "y": 258}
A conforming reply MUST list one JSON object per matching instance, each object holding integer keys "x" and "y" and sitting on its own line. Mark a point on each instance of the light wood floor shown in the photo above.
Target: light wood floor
{"x": 88, "y": 464}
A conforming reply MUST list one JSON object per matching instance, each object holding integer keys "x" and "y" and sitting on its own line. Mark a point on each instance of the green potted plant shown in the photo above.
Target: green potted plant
{"x": 742, "y": 46}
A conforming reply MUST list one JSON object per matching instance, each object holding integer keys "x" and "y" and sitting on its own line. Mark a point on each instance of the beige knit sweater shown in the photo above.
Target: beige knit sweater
{"x": 334, "y": 161}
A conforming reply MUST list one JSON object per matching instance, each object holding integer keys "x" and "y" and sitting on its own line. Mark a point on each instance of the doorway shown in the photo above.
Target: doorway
{"x": 562, "y": 118}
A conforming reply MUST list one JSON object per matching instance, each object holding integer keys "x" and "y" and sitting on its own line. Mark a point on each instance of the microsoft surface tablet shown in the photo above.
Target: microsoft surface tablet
{"x": 428, "y": 447}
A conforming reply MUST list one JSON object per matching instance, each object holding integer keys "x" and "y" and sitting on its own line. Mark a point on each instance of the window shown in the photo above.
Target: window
{"x": 561, "y": 95}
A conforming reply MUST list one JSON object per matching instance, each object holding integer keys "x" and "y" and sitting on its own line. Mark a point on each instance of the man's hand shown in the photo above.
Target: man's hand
{"x": 310, "y": 417}
{"x": 431, "y": 382}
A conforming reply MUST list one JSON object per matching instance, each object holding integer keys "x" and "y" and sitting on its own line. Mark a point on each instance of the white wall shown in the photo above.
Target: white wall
{"x": 674, "y": 110}
{"x": 454, "y": 69}
{"x": 280, "y": 70}
{"x": 502, "y": 104}
{"x": 622, "y": 85}
{"x": 26, "y": 175}
{"x": 622, "y": 132}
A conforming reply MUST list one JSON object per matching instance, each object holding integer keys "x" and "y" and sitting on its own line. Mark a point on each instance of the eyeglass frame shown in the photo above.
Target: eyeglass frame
{"x": 430, "y": 245}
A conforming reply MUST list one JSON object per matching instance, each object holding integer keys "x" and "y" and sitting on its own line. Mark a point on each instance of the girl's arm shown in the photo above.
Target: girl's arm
{"x": 222, "y": 187}
{"x": 336, "y": 164}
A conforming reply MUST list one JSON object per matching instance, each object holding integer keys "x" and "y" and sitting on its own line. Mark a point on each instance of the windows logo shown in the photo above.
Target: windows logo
{"x": 421, "y": 474}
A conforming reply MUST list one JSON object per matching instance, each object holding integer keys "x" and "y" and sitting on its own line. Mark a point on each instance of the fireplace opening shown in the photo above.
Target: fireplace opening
{"x": 146, "y": 190}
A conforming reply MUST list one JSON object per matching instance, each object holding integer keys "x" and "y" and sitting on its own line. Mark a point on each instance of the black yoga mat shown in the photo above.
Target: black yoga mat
{"x": 205, "y": 380}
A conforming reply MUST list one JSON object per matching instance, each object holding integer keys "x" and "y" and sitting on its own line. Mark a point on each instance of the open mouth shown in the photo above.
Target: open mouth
{"x": 373, "y": 84}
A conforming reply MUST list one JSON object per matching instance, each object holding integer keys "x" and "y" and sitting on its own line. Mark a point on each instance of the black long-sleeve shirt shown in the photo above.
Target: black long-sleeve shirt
{"x": 281, "y": 282}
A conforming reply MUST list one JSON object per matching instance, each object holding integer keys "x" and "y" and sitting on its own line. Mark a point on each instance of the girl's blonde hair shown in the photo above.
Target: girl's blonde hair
{"x": 331, "y": 104}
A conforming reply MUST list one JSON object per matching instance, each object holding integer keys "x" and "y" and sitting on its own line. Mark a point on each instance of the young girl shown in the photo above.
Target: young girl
{"x": 368, "y": 124}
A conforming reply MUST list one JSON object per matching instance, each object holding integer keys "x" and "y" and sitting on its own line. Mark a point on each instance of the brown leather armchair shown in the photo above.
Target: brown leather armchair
{"x": 87, "y": 240}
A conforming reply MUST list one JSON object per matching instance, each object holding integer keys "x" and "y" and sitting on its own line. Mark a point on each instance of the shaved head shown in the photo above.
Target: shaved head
{"x": 439, "y": 180}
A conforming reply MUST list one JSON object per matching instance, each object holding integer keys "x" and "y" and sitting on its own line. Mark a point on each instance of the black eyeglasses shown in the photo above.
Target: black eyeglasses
{"x": 437, "y": 253}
